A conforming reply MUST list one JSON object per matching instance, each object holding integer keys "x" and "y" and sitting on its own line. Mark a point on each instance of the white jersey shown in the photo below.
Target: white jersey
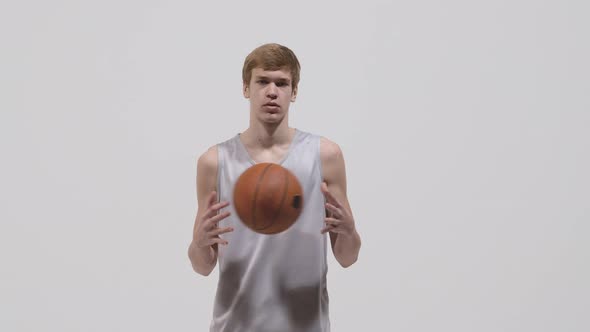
{"x": 273, "y": 283}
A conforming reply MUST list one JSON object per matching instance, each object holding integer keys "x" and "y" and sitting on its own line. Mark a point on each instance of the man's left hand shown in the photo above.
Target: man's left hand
{"x": 340, "y": 219}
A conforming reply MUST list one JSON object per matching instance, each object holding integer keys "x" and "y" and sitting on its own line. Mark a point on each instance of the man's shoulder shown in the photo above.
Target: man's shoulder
{"x": 208, "y": 159}
{"x": 329, "y": 150}
{"x": 332, "y": 161}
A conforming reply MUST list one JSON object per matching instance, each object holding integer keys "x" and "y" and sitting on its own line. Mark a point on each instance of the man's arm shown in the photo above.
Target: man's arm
{"x": 344, "y": 238}
{"x": 204, "y": 259}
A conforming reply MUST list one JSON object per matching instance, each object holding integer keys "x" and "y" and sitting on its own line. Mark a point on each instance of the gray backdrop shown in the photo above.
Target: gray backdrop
{"x": 464, "y": 126}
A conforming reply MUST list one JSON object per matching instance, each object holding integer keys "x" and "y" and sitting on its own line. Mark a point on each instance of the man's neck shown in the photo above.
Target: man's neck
{"x": 264, "y": 137}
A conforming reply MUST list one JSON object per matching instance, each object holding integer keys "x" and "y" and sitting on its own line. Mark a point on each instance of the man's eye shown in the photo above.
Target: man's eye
{"x": 262, "y": 81}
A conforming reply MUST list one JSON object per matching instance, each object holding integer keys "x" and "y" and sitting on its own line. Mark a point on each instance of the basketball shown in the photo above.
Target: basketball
{"x": 268, "y": 198}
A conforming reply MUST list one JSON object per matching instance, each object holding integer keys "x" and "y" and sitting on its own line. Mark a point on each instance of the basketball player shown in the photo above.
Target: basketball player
{"x": 272, "y": 283}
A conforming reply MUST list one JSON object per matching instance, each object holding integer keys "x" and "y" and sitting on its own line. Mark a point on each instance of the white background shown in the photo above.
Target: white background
{"x": 464, "y": 126}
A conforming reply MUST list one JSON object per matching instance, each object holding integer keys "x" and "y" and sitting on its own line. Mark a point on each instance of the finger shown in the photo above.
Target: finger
{"x": 333, "y": 222}
{"x": 219, "y": 231}
{"x": 327, "y": 229}
{"x": 219, "y": 206}
{"x": 212, "y": 222}
{"x": 211, "y": 198}
{"x": 217, "y": 240}
{"x": 331, "y": 228}
{"x": 216, "y": 218}
{"x": 212, "y": 210}
{"x": 335, "y": 211}
{"x": 210, "y": 202}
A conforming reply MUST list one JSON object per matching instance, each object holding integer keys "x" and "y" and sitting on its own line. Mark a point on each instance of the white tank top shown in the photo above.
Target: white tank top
{"x": 273, "y": 283}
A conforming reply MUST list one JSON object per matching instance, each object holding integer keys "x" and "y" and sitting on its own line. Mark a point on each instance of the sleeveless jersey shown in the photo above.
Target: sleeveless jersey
{"x": 273, "y": 283}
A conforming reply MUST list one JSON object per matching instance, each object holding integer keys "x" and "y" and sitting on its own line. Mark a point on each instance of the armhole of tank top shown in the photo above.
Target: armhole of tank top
{"x": 319, "y": 156}
{"x": 319, "y": 162}
{"x": 219, "y": 169}
{"x": 325, "y": 237}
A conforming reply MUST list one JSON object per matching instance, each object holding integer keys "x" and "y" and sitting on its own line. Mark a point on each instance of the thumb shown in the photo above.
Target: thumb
{"x": 325, "y": 190}
{"x": 212, "y": 198}
{"x": 327, "y": 194}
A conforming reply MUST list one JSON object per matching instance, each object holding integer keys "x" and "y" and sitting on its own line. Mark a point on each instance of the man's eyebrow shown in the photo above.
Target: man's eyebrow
{"x": 267, "y": 78}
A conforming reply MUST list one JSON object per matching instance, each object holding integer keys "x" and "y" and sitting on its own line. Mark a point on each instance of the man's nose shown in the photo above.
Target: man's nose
{"x": 271, "y": 91}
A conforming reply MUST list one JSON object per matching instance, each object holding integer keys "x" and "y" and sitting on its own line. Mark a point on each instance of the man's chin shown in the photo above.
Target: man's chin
{"x": 271, "y": 118}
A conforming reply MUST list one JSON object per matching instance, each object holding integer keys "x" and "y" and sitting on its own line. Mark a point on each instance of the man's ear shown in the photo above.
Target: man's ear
{"x": 293, "y": 95}
{"x": 246, "y": 90}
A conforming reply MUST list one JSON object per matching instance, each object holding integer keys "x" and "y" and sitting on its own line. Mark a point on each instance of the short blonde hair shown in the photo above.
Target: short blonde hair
{"x": 271, "y": 56}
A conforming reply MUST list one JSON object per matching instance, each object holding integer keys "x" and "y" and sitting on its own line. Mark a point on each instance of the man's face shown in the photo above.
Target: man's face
{"x": 270, "y": 94}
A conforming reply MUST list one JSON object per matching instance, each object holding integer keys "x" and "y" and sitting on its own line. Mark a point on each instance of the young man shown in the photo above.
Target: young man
{"x": 272, "y": 282}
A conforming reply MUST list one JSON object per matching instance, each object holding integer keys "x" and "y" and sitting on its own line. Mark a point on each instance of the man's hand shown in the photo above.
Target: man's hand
{"x": 207, "y": 231}
{"x": 340, "y": 219}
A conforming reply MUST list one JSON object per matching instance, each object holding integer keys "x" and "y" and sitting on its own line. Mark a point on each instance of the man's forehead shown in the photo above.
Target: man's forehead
{"x": 274, "y": 74}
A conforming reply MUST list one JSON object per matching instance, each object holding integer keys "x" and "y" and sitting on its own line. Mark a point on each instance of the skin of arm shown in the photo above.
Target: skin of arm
{"x": 344, "y": 238}
{"x": 204, "y": 259}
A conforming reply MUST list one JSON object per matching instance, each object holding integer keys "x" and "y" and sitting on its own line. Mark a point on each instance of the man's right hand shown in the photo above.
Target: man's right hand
{"x": 207, "y": 230}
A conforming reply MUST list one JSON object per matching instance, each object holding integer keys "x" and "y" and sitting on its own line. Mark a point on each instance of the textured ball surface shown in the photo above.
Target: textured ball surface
{"x": 268, "y": 198}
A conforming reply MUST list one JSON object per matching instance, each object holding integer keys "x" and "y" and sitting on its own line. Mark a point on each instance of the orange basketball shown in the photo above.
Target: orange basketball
{"x": 268, "y": 198}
